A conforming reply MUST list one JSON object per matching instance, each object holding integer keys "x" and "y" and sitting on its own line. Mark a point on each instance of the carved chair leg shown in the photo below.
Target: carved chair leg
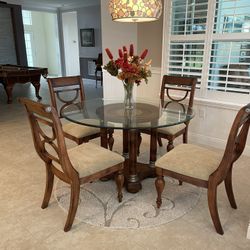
{"x": 49, "y": 186}
{"x": 159, "y": 141}
{"x": 180, "y": 183}
{"x": 185, "y": 137}
{"x": 101, "y": 78}
{"x": 139, "y": 143}
{"x": 212, "y": 204}
{"x": 110, "y": 139}
{"x": 119, "y": 183}
{"x": 159, "y": 184}
{"x": 170, "y": 145}
{"x": 96, "y": 79}
{"x": 229, "y": 189}
{"x": 74, "y": 200}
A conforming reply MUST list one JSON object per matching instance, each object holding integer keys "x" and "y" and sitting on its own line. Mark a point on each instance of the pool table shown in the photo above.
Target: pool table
{"x": 12, "y": 74}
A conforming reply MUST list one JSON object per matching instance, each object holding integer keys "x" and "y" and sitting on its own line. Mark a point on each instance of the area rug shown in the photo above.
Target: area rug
{"x": 99, "y": 206}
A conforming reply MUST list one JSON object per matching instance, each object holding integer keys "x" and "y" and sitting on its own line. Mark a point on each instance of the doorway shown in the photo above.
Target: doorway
{"x": 42, "y": 40}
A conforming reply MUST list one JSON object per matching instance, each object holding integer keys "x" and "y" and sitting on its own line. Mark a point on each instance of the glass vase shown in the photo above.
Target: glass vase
{"x": 128, "y": 95}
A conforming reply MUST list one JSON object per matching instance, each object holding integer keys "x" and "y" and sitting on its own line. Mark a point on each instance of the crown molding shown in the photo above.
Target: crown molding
{"x": 53, "y": 7}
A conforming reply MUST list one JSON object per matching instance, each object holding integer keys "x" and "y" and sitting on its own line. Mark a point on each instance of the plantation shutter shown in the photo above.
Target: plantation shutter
{"x": 210, "y": 40}
{"x": 185, "y": 59}
{"x": 232, "y": 16}
{"x": 230, "y": 67}
{"x": 189, "y": 17}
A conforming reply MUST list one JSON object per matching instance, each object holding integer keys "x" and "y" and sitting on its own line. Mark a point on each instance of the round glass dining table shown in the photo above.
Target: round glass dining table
{"x": 145, "y": 115}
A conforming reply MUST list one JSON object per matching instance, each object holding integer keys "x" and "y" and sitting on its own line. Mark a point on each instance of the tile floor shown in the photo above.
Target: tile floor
{"x": 24, "y": 225}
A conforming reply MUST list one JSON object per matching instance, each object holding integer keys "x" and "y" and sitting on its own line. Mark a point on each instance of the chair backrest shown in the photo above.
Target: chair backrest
{"x": 98, "y": 61}
{"x": 48, "y": 136}
{"x": 236, "y": 141}
{"x": 72, "y": 85}
{"x": 172, "y": 84}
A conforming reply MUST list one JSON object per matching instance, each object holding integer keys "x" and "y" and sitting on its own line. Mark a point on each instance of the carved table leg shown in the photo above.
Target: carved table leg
{"x": 125, "y": 144}
{"x": 133, "y": 184}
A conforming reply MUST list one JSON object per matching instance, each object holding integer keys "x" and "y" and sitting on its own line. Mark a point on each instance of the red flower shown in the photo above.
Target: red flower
{"x": 120, "y": 53}
{"x": 119, "y": 62}
{"x": 125, "y": 56}
{"x": 144, "y": 54}
{"x": 131, "y": 50}
{"x": 109, "y": 54}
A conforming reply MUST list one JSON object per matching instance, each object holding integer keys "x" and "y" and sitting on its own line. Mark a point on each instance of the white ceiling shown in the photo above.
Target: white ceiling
{"x": 60, "y": 3}
{"x": 54, "y": 3}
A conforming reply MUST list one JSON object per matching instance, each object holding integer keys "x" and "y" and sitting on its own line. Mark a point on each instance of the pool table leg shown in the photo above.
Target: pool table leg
{"x": 37, "y": 88}
{"x": 8, "y": 89}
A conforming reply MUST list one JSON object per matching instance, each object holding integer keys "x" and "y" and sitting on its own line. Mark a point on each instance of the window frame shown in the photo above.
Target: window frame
{"x": 208, "y": 38}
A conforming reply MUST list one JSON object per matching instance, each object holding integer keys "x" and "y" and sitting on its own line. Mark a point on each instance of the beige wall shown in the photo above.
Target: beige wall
{"x": 114, "y": 36}
{"x": 150, "y": 37}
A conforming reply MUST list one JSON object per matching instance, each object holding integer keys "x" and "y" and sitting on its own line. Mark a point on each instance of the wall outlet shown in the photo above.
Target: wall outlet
{"x": 248, "y": 231}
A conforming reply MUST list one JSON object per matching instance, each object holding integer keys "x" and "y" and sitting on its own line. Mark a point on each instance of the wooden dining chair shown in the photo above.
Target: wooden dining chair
{"x": 177, "y": 89}
{"x": 183, "y": 87}
{"x": 72, "y": 88}
{"x": 82, "y": 164}
{"x": 205, "y": 168}
{"x": 98, "y": 70}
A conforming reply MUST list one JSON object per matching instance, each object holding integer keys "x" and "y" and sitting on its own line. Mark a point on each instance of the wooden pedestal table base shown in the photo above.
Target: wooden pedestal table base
{"x": 135, "y": 171}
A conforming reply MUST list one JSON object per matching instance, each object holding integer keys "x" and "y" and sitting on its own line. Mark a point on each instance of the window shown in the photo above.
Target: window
{"x": 27, "y": 17}
{"x": 210, "y": 40}
{"x": 28, "y": 36}
{"x": 28, "y": 44}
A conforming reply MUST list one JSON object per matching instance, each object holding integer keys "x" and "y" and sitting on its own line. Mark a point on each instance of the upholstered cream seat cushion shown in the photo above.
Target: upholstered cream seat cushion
{"x": 172, "y": 129}
{"x": 190, "y": 160}
{"x": 78, "y": 130}
{"x": 89, "y": 158}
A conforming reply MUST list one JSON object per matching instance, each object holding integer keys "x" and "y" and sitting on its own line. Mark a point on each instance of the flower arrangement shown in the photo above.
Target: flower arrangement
{"x": 128, "y": 67}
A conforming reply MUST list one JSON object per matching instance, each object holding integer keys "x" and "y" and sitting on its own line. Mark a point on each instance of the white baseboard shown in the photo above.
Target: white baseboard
{"x": 212, "y": 142}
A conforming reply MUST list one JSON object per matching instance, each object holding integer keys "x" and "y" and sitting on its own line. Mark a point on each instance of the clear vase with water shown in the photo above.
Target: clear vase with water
{"x": 128, "y": 94}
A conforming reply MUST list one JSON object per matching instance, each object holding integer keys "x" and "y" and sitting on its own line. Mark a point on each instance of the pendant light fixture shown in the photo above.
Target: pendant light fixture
{"x": 135, "y": 10}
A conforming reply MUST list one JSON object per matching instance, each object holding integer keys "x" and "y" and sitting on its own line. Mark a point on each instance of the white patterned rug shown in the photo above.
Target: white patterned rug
{"x": 99, "y": 206}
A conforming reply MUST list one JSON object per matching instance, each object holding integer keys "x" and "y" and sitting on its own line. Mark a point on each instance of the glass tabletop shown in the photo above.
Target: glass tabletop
{"x": 110, "y": 113}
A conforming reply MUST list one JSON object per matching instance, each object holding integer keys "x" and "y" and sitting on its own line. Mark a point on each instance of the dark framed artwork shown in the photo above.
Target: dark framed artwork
{"x": 87, "y": 37}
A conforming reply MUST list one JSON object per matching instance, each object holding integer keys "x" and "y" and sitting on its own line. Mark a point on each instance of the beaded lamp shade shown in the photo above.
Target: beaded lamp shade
{"x": 135, "y": 10}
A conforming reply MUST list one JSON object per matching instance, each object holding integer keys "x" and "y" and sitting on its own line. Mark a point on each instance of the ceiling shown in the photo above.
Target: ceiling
{"x": 55, "y": 3}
